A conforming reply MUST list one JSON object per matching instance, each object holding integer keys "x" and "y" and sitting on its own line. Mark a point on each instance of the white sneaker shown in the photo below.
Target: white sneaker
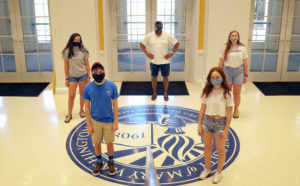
{"x": 217, "y": 178}
{"x": 204, "y": 174}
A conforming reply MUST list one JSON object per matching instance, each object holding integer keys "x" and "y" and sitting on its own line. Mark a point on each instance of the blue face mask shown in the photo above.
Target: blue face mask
{"x": 76, "y": 43}
{"x": 158, "y": 29}
{"x": 216, "y": 81}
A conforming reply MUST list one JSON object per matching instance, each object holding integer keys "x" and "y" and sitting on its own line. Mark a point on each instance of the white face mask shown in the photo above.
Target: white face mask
{"x": 234, "y": 39}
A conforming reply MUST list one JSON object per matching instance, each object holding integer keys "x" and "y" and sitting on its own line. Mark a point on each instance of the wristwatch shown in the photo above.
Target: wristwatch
{"x": 246, "y": 75}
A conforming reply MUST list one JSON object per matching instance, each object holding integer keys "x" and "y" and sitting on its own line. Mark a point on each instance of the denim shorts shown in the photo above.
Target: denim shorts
{"x": 77, "y": 79}
{"x": 213, "y": 125}
{"x": 234, "y": 75}
{"x": 164, "y": 69}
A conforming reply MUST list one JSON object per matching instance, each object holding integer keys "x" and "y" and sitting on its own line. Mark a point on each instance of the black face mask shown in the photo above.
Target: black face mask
{"x": 76, "y": 43}
{"x": 98, "y": 77}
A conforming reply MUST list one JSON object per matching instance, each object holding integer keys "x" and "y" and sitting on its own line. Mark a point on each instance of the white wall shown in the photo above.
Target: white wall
{"x": 67, "y": 17}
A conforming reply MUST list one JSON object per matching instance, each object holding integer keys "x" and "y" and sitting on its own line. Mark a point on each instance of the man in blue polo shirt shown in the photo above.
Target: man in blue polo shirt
{"x": 101, "y": 107}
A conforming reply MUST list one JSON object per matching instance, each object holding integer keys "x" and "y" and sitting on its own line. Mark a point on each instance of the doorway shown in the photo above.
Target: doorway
{"x": 133, "y": 19}
{"x": 274, "y": 40}
{"x": 25, "y": 41}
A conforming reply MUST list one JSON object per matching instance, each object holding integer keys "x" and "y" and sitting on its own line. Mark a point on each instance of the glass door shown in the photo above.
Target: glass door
{"x": 8, "y": 43}
{"x": 173, "y": 14}
{"x": 135, "y": 19}
{"x": 291, "y": 67}
{"x": 131, "y": 29}
{"x": 267, "y": 39}
{"x": 274, "y": 40}
{"x": 30, "y": 55}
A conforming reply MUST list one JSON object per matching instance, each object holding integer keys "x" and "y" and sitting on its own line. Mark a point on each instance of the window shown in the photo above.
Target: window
{"x": 260, "y": 20}
{"x": 136, "y": 20}
{"x": 42, "y": 21}
{"x": 166, "y": 14}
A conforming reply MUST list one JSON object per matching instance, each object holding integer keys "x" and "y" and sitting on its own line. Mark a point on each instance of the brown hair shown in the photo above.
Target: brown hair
{"x": 208, "y": 87}
{"x": 70, "y": 45}
{"x": 228, "y": 43}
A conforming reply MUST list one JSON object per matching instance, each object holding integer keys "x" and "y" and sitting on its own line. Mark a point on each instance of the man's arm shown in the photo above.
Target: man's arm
{"x": 168, "y": 55}
{"x": 116, "y": 111}
{"x": 90, "y": 128}
{"x": 149, "y": 55}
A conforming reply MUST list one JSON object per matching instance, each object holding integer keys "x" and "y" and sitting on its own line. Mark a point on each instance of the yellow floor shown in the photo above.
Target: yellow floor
{"x": 33, "y": 139}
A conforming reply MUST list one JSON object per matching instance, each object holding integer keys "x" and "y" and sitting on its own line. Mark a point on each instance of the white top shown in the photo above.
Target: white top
{"x": 158, "y": 46}
{"x": 216, "y": 103}
{"x": 235, "y": 55}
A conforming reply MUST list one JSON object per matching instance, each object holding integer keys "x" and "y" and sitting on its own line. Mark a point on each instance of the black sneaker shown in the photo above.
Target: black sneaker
{"x": 98, "y": 168}
{"x": 111, "y": 168}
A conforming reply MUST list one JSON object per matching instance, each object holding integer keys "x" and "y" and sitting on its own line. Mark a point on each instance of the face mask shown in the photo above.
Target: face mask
{"x": 216, "y": 81}
{"x": 234, "y": 39}
{"x": 158, "y": 29}
{"x": 76, "y": 43}
{"x": 98, "y": 77}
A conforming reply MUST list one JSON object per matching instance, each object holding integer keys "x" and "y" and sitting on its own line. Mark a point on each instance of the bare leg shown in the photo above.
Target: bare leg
{"x": 81, "y": 89}
{"x": 237, "y": 96}
{"x": 220, "y": 145}
{"x": 110, "y": 149}
{"x": 166, "y": 85}
{"x": 154, "y": 85}
{"x": 97, "y": 148}
{"x": 208, "y": 143}
{"x": 72, "y": 94}
{"x": 230, "y": 86}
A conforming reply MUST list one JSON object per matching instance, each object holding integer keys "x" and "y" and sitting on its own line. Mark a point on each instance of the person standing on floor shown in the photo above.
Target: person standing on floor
{"x": 234, "y": 62}
{"x": 214, "y": 119}
{"x": 101, "y": 106}
{"x": 155, "y": 46}
{"x": 77, "y": 71}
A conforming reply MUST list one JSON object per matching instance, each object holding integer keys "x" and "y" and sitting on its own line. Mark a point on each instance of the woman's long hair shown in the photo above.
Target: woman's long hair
{"x": 70, "y": 45}
{"x": 228, "y": 43}
{"x": 208, "y": 87}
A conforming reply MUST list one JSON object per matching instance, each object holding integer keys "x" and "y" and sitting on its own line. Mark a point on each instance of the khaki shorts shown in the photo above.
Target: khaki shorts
{"x": 102, "y": 130}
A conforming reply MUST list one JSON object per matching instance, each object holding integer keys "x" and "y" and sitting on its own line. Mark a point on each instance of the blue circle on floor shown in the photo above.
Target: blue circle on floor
{"x": 170, "y": 132}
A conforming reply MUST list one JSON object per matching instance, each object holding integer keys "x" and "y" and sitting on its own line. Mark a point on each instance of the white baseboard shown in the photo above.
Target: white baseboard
{"x": 61, "y": 90}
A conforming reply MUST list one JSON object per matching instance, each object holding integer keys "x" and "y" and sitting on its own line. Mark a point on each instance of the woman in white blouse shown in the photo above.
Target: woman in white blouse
{"x": 234, "y": 62}
{"x": 214, "y": 119}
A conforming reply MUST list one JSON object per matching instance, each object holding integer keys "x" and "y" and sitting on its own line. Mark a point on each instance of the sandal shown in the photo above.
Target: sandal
{"x": 166, "y": 98}
{"x": 154, "y": 96}
{"x": 82, "y": 114}
{"x": 236, "y": 114}
{"x": 68, "y": 118}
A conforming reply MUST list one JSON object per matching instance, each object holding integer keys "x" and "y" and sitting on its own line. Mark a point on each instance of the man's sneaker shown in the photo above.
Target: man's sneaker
{"x": 98, "y": 168}
{"x": 204, "y": 174}
{"x": 217, "y": 177}
{"x": 111, "y": 168}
